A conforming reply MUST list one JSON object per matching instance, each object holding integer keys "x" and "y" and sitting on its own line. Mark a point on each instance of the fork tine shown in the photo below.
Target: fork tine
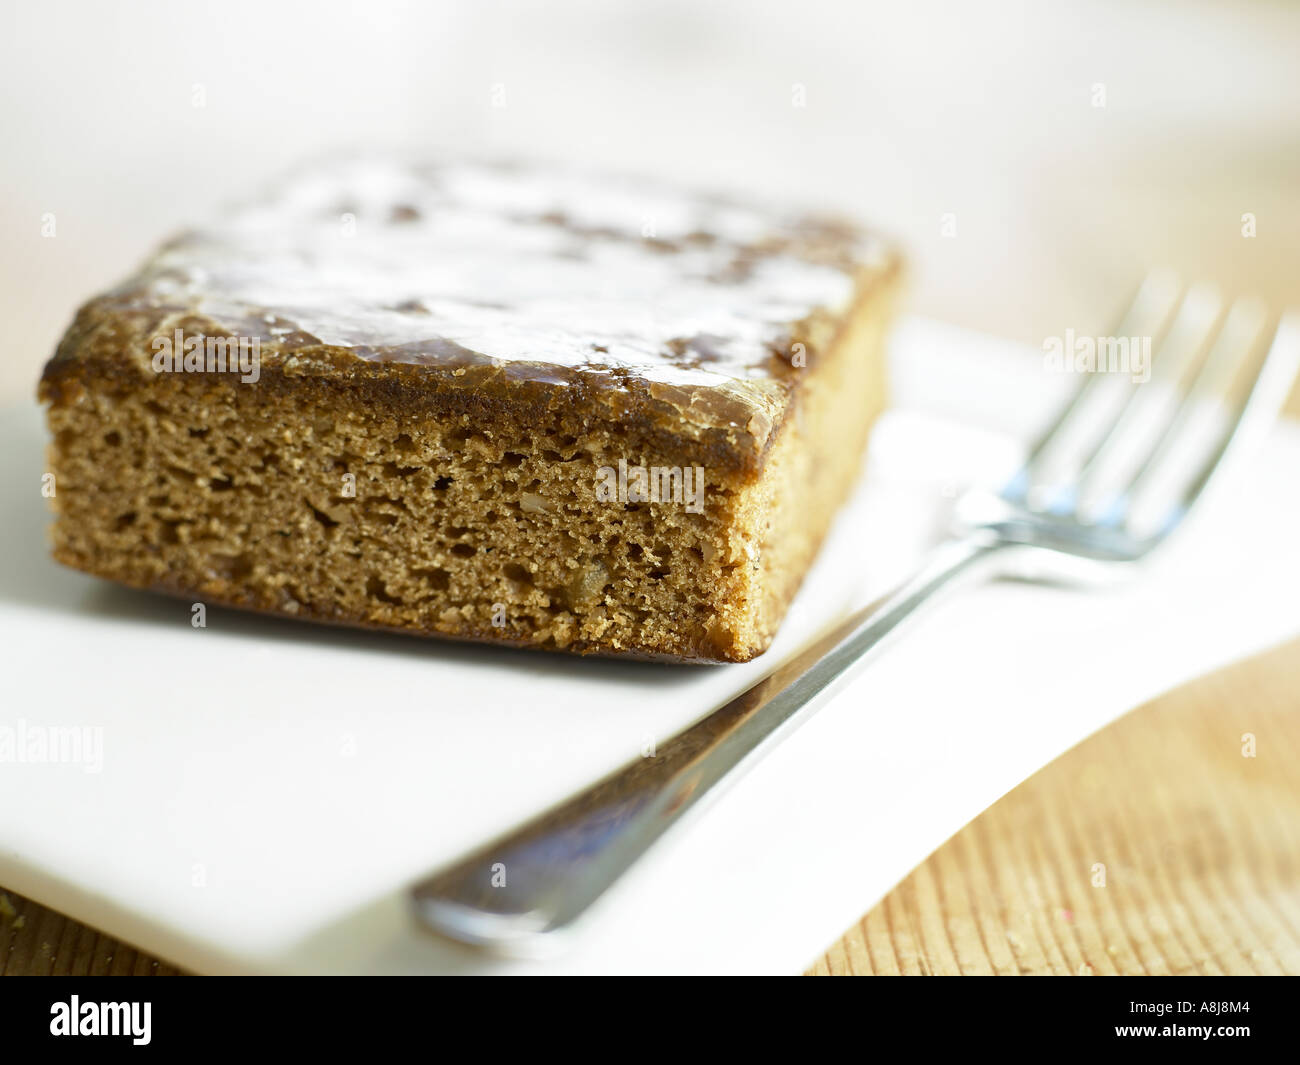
{"x": 1242, "y": 331}
{"x": 1270, "y": 382}
{"x": 1154, "y": 299}
{"x": 1185, "y": 347}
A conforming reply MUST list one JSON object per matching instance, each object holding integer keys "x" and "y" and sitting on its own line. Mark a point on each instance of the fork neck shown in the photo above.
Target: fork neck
{"x": 978, "y": 555}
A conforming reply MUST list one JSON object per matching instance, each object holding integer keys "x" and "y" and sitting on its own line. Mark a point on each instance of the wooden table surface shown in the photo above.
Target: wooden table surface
{"x": 1168, "y": 842}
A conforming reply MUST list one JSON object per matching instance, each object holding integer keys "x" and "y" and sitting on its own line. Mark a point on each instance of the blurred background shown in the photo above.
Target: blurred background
{"x": 1034, "y": 158}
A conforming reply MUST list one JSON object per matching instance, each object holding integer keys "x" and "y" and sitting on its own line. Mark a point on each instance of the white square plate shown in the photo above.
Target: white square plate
{"x": 266, "y": 788}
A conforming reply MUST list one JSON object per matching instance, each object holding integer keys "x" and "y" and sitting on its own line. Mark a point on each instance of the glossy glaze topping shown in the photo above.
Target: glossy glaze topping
{"x": 504, "y": 284}
{"x": 430, "y": 264}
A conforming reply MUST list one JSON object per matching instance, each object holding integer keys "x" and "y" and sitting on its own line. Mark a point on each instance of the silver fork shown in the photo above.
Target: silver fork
{"x": 521, "y": 891}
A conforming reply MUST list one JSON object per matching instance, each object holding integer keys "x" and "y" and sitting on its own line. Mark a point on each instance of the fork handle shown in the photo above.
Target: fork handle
{"x": 517, "y": 892}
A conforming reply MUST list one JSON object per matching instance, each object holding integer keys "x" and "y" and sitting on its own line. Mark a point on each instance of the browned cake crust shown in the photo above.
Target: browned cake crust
{"x": 452, "y": 380}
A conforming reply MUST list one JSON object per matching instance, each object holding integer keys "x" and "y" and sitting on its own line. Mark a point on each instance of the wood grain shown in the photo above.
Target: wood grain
{"x": 1200, "y": 844}
{"x": 35, "y": 941}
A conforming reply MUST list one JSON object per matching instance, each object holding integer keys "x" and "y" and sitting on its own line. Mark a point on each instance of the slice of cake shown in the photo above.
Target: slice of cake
{"x": 516, "y": 405}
